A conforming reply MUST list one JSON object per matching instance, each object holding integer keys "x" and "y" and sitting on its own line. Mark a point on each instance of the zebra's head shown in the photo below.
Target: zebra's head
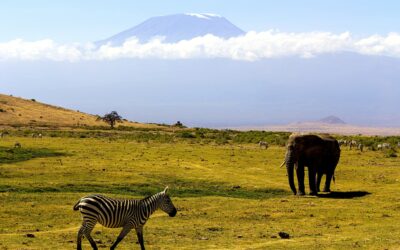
{"x": 166, "y": 204}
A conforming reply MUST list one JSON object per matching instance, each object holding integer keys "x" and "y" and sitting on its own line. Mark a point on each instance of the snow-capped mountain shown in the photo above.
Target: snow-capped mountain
{"x": 174, "y": 28}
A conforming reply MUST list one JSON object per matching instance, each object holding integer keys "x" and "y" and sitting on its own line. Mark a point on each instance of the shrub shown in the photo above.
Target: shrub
{"x": 186, "y": 134}
{"x": 391, "y": 153}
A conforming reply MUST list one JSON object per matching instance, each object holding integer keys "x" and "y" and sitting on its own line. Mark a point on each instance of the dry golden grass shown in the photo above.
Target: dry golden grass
{"x": 15, "y": 111}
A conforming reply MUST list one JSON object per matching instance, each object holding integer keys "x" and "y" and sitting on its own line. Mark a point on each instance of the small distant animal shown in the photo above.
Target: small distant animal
{"x": 385, "y": 145}
{"x": 398, "y": 144}
{"x": 263, "y": 144}
{"x": 342, "y": 142}
{"x": 360, "y": 147}
{"x": 17, "y": 145}
{"x": 3, "y": 134}
{"x": 37, "y": 135}
{"x": 114, "y": 213}
{"x": 352, "y": 143}
{"x": 379, "y": 146}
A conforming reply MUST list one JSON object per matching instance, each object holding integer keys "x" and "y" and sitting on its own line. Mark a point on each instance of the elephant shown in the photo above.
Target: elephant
{"x": 319, "y": 153}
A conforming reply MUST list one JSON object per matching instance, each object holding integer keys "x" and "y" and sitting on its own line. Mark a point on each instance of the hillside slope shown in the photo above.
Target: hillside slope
{"x": 15, "y": 111}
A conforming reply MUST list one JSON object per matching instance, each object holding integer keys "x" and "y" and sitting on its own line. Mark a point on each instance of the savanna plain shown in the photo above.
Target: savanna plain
{"x": 229, "y": 194}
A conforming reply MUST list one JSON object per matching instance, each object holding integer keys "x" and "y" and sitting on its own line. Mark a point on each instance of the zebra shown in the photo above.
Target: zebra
{"x": 386, "y": 145}
{"x": 116, "y": 213}
{"x": 263, "y": 144}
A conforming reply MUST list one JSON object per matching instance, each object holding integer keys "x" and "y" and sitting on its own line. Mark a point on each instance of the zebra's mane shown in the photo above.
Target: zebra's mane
{"x": 148, "y": 197}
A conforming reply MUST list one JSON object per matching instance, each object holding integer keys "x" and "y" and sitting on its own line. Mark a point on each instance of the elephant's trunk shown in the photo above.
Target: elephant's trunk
{"x": 289, "y": 159}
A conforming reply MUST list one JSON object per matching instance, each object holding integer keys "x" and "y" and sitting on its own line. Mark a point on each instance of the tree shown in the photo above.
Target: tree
{"x": 111, "y": 118}
{"x": 179, "y": 125}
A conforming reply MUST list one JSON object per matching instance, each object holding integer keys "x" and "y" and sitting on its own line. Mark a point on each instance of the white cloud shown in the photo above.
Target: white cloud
{"x": 40, "y": 50}
{"x": 250, "y": 47}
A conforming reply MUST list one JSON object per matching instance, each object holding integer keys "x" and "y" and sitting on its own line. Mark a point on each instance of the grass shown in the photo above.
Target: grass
{"x": 18, "y": 112}
{"x": 11, "y": 155}
{"x": 229, "y": 196}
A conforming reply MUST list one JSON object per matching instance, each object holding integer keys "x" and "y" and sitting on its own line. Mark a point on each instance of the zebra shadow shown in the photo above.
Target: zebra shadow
{"x": 344, "y": 195}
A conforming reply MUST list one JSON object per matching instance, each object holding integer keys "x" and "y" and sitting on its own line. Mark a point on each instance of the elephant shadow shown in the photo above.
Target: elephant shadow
{"x": 344, "y": 195}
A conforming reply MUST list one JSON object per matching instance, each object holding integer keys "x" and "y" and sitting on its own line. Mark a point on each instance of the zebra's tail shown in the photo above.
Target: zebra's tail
{"x": 76, "y": 206}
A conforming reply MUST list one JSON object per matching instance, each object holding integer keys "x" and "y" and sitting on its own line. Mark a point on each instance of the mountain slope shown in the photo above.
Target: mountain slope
{"x": 331, "y": 120}
{"x": 176, "y": 28}
{"x": 15, "y": 111}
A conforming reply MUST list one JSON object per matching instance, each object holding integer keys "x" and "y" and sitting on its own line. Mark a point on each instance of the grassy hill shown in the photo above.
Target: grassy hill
{"x": 19, "y": 112}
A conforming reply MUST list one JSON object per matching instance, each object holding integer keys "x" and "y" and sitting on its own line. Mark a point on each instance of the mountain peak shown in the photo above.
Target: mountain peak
{"x": 204, "y": 15}
{"x": 174, "y": 28}
{"x": 331, "y": 120}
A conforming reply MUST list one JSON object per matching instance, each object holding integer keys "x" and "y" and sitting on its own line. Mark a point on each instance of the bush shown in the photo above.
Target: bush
{"x": 186, "y": 134}
{"x": 391, "y": 153}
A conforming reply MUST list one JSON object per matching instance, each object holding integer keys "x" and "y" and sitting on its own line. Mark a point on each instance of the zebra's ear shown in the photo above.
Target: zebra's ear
{"x": 165, "y": 190}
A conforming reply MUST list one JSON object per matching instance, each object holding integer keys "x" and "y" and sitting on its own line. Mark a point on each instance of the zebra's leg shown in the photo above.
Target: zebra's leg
{"x": 139, "y": 232}
{"x": 121, "y": 236}
{"x": 80, "y": 234}
{"x": 87, "y": 229}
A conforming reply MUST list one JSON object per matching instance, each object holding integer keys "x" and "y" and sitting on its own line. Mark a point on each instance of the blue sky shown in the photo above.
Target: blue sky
{"x": 91, "y": 20}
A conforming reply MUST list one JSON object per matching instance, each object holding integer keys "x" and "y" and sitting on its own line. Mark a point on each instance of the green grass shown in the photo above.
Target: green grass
{"x": 11, "y": 155}
{"x": 229, "y": 196}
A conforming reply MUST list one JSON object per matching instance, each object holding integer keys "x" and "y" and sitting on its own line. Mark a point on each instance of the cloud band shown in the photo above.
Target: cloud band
{"x": 250, "y": 47}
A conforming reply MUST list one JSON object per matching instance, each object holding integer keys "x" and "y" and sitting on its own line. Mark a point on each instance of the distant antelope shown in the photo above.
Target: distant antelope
{"x": 263, "y": 144}
{"x": 17, "y": 145}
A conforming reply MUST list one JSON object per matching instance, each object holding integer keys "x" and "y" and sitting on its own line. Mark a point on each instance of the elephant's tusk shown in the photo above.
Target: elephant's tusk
{"x": 283, "y": 163}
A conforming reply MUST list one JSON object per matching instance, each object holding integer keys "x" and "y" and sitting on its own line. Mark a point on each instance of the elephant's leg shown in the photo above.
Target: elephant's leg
{"x": 319, "y": 177}
{"x": 311, "y": 180}
{"x": 300, "y": 178}
{"x": 328, "y": 181}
